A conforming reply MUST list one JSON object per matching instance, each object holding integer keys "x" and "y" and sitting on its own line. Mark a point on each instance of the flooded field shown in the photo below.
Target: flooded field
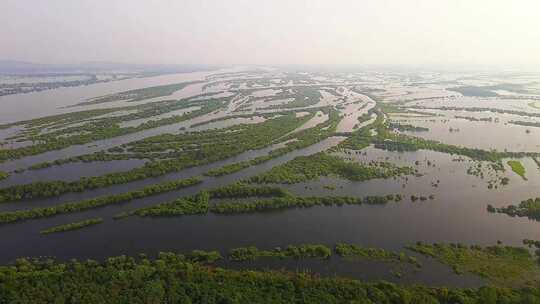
{"x": 448, "y": 145}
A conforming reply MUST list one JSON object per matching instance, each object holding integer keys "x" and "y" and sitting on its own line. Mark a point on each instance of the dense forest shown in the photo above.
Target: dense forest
{"x": 173, "y": 278}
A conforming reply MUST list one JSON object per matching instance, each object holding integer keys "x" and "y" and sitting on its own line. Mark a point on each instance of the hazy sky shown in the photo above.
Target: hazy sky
{"x": 272, "y": 32}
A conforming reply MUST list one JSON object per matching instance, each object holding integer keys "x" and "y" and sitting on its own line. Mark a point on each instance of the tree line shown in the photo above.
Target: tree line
{"x": 174, "y": 278}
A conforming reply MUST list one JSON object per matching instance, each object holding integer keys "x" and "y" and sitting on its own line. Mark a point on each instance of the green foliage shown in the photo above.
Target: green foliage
{"x": 517, "y": 167}
{"x": 297, "y": 202}
{"x": 298, "y": 252}
{"x": 172, "y": 278}
{"x": 303, "y": 97}
{"x": 367, "y": 116}
{"x": 183, "y": 206}
{"x": 19, "y": 215}
{"x": 294, "y": 141}
{"x": 401, "y": 143}
{"x": 239, "y": 190}
{"x": 381, "y": 137}
{"x": 141, "y": 94}
{"x": 201, "y": 256}
{"x": 483, "y": 109}
{"x": 406, "y": 128}
{"x": 275, "y": 198}
{"x": 528, "y": 208}
{"x": 197, "y": 149}
{"x": 304, "y": 168}
{"x": 362, "y": 137}
{"x": 101, "y": 129}
{"x": 351, "y": 250}
{"x": 63, "y": 119}
{"x": 72, "y": 226}
{"x": 501, "y": 265}
{"x": 97, "y": 156}
{"x": 472, "y": 118}
{"x": 228, "y": 117}
{"x": 3, "y": 175}
{"x": 525, "y": 123}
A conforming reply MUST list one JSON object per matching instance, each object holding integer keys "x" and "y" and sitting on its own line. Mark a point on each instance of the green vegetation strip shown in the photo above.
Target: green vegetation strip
{"x": 517, "y": 167}
{"x": 302, "y": 97}
{"x": 278, "y": 199}
{"x": 15, "y": 216}
{"x": 501, "y": 265}
{"x": 528, "y": 208}
{"x": 196, "y": 148}
{"x": 407, "y": 127}
{"x": 380, "y": 135}
{"x": 210, "y": 146}
{"x": 345, "y": 250}
{"x": 525, "y": 123}
{"x": 471, "y": 118}
{"x": 355, "y": 251}
{"x": 298, "y": 202}
{"x": 140, "y": 94}
{"x": 302, "y": 251}
{"x": 100, "y": 129}
{"x": 72, "y": 226}
{"x": 480, "y": 109}
{"x": 100, "y": 156}
{"x": 174, "y": 278}
{"x": 305, "y": 168}
{"x": 200, "y": 203}
{"x": 294, "y": 141}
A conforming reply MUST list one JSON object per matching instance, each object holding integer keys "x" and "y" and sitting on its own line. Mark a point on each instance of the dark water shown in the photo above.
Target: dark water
{"x": 458, "y": 214}
{"x": 191, "y": 172}
{"x": 366, "y": 225}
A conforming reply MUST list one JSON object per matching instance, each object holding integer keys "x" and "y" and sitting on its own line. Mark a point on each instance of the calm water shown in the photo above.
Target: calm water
{"x": 38, "y": 104}
{"x": 454, "y": 216}
{"x": 457, "y": 214}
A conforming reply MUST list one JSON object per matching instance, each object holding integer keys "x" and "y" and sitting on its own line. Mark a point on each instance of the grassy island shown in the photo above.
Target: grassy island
{"x": 517, "y": 167}
{"x": 501, "y": 265}
{"x": 305, "y": 168}
{"x": 528, "y": 208}
{"x": 72, "y": 226}
{"x": 291, "y": 251}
